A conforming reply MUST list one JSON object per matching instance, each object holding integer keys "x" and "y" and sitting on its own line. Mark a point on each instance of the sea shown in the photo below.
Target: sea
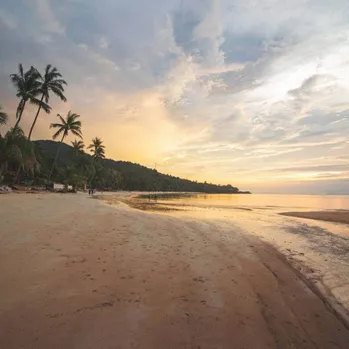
{"x": 276, "y": 202}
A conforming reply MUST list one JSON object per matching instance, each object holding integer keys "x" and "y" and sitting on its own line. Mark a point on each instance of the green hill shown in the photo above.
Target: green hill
{"x": 134, "y": 176}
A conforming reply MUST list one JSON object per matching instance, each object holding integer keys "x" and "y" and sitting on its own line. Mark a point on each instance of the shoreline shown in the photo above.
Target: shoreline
{"x": 317, "y": 286}
{"x": 91, "y": 275}
{"x": 138, "y": 201}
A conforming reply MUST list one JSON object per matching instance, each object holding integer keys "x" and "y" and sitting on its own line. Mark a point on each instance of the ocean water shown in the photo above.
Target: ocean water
{"x": 259, "y": 201}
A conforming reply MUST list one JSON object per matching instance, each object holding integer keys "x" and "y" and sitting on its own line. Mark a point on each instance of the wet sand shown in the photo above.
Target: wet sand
{"x": 341, "y": 216}
{"x": 77, "y": 273}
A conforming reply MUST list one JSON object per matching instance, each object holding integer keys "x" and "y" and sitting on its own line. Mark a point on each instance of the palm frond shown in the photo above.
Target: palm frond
{"x": 20, "y": 69}
{"x": 43, "y": 105}
{"x": 58, "y": 92}
{"x": 75, "y": 124}
{"x": 76, "y": 133}
{"x": 3, "y": 117}
{"x": 47, "y": 69}
{"x": 62, "y": 119}
{"x": 53, "y": 125}
{"x": 54, "y": 84}
{"x": 54, "y": 75}
{"x": 39, "y": 76}
{"x": 60, "y": 81}
{"x": 58, "y": 133}
{"x": 15, "y": 79}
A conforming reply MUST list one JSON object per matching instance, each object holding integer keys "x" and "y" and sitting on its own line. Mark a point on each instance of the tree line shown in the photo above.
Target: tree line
{"x": 121, "y": 174}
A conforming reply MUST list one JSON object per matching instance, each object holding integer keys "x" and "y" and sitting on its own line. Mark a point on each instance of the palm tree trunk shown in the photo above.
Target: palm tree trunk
{"x": 19, "y": 116}
{"x": 15, "y": 179}
{"x": 89, "y": 182}
{"x": 36, "y": 117}
{"x": 56, "y": 157}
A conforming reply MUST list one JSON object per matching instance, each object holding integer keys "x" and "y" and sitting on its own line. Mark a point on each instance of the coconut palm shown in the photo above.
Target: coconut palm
{"x": 67, "y": 125}
{"x": 3, "y": 116}
{"x": 97, "y": 148}
{"x": 27, "y": 86}
{"x": 51, "y": 82}
{"x": 16, "y": 150}
{"x": 78, "y": 147}
{"x": 98, "y": 152}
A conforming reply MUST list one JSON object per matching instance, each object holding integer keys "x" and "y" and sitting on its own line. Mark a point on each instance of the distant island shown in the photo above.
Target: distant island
{"x": 123, "y": 175}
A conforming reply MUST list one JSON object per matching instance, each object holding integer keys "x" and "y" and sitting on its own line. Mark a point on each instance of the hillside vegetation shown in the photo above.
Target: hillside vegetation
{"x": 132, "y": 176}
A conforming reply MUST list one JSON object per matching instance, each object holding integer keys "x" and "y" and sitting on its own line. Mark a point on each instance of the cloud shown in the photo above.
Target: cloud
{"x": 104, "y": 42}
{"x": 46, "y": 16}
{"x": 319, "y": 168}
{"x": 232, "y": 88}
{"x": 8, "y": 20}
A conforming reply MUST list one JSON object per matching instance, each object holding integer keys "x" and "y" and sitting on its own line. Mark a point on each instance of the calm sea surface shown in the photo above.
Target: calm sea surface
{"x": 255, "y": 201}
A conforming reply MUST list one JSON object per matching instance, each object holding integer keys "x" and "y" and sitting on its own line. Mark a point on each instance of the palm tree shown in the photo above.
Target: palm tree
{"x": 15, "y": 149}
{"x": 98, "y": 152}
{"x": 97, "y": 148}
{"x": 3, "y": 117}
{"x": 27, "y": 86}
{"x": 78, "y": 147}
{"x": 69, "y": 124}
{"x": 51, "y": 81}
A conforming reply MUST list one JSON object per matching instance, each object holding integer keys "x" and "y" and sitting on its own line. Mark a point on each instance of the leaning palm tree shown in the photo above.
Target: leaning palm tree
{"x": 97, "y": 148}
{"x": 27, "y": 86}
{"x": 67, "y": 125}
{"x": 51, "y": 82}
{"x": 3, "y": 116}
{"x": 78, "y": 147}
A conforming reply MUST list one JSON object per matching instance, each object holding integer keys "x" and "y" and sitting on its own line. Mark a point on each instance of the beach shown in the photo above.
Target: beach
{"x": 79, "y": 273}
{"x": 329, "y": 216}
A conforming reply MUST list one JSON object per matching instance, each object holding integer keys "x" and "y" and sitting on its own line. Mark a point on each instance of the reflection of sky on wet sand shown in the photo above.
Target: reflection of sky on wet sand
{"x": 255, "y": 201}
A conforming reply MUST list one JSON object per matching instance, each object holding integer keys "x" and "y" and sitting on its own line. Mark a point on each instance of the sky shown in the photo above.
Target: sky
{"x": 254, "y": 93}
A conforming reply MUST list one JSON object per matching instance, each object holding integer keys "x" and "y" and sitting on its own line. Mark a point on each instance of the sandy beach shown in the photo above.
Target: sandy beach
{"x": 78, "y": 273}
{"x": 328, "y": 216}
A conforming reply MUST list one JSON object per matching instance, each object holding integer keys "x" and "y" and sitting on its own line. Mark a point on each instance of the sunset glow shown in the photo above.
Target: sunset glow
{"x": 255, "y": 94}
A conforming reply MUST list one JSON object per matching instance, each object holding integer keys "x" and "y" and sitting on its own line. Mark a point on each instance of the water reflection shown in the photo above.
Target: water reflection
{"x": 256, "y": 201}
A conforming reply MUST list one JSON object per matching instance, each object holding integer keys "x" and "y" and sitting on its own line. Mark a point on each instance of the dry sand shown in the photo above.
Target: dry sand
{"x": 341, "y": 216}
{"x": 78, "y": 274}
